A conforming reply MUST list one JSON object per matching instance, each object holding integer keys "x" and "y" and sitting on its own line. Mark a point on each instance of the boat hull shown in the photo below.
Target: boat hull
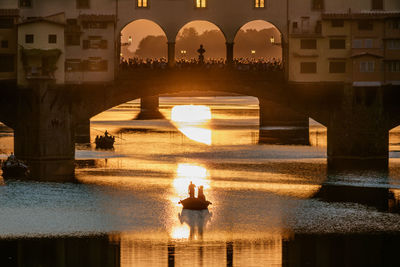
{"x": 192, "y": 203}
{"x": 15, "y": 172}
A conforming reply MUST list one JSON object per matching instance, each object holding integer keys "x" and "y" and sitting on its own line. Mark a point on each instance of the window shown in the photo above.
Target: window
{"x": 95, "y": 64}
{"x": 52, "y": 39}
{"x": 6, "y": 23}
{"x": 82, "y": 4}
{"x": 394, "y": 24}
{"x": 377, "y": 5}
{"x": 365, "y": 25}
{"x": 393, "y": 66}
{"x": 363, "y": 43}
{"x": 73, "y": 65}
{"x": 7, "y": 63}
{"x": 259, "y": 4}
{"x": 358, "y": 43}
{"x": 393, "y": 44}
{"x": 25, "y": 3}
{"x": 367, "y": 66}
{"x": 29, "y": 38}
{"x": 368, "y": 43}
{"x": 337, "y": 67}
{"x": 337, "y": 23}
{"x": 4, "y": 43}
{"x": 308, "y": 67}
{"x": 201, "y": 3}
{"x": 308, "y": 44}
{"x": 337, "y": 44}
{"x": 317, "y": 4}
{"x": 142, "y": 3}
{"x": 72, "y": 33}
{"x": 95, "y": 42}
{"x": 72, "y": 39}
{"x": 305, "y": 24}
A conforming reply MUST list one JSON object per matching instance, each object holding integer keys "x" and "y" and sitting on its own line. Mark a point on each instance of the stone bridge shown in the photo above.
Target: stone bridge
{"x": 45, "y": 116}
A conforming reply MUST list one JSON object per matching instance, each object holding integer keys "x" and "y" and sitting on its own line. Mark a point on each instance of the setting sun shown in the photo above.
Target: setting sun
{"x": 190, "y": 113}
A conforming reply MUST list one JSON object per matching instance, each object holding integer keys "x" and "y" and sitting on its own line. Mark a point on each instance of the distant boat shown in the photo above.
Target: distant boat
{"x": 14, "y": 169}
{"x": 105, "y": 141}
{"x": 192, "y": 203}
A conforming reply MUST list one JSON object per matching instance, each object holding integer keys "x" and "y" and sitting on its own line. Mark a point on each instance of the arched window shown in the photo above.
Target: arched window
{"x": 201, "y": 3}
{"x": 259, "y": 3}
{"x": 142, "y": 3}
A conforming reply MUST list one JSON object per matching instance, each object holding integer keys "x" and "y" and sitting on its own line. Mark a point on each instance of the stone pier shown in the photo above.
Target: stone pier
{"x": 358, "y": 132}
{"x": 281, "y": 125}
{"x": 82, "y": 131}
{"x": 149, "y": 109}
{"x": 44, "y": 134}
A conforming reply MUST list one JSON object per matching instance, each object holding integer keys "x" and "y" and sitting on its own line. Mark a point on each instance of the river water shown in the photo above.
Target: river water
{"x": 272, "y": 205}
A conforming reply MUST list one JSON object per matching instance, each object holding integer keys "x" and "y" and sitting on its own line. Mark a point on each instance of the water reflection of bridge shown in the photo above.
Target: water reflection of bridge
{"x": 111, "y": 251}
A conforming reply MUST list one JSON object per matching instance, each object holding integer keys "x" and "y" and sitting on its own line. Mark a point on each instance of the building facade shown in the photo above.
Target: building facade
{"x": 351, "y": 41}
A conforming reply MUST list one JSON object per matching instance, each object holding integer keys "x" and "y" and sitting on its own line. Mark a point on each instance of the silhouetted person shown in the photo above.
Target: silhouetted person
{"x": 106, "y": 133}
{"x": 201, "y": 51}
{"x": 191, "y": 189}
{"x": 11, "y": 157}
{"x": 200, "y": 194}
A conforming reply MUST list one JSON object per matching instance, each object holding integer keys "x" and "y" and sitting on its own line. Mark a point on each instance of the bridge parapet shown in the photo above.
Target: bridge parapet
{"x": 200, "y": 73}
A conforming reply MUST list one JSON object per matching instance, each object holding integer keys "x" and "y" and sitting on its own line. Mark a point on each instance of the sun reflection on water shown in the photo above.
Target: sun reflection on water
{"x": 190, "y": 172}
{"x": 191, "y": 120}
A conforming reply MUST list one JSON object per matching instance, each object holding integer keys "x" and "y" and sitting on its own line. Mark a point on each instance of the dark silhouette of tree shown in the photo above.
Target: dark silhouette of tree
{"x": 258, "y": 41}
{"x": 152, "y": 47}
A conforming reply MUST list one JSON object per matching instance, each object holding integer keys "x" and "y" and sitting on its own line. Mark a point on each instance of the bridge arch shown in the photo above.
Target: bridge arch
{"x": 258, "y": 39}
{"x": 147, "y": 33}
{"x": 196, "y": 32}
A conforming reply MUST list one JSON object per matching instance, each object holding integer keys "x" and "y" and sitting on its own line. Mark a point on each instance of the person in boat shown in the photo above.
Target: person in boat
{"x": 106, "y": 133}
{"x": 11, "y": 157}
{"x": 200, "y": 194}
{"x": 191, "y": 189}
{"x": 97, "y": 138}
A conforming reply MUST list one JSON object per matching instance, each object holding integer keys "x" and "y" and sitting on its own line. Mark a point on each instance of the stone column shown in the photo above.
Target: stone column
{"x": 171, "y": 54}
{"x": 149, "y": 108}
{"x": 82, "y": 131}
{"x": 358, "y": 132}
{"x": 44, "y": 136}
{"x": 281, "y": 125}
{"x": 229, "y": 53}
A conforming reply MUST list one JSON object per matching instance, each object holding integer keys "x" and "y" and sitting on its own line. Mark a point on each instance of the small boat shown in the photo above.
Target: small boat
{"x": 105, "y": 141}
{"x": 193, "y": 203}
{"x": 14, "y": 168}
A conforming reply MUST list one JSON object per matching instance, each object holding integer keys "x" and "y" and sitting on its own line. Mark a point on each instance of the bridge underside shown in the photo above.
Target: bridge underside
{"x": 358, "y": 119}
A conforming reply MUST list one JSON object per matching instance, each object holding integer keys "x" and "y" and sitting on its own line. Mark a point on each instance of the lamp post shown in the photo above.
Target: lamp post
{"x": 183, "y": 53}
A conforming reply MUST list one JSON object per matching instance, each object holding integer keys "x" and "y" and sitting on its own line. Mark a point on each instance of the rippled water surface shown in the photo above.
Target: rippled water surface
{"x": 271, "y": 204}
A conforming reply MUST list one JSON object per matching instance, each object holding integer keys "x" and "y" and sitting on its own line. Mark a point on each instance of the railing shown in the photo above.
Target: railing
{"x": 239, "y": 65}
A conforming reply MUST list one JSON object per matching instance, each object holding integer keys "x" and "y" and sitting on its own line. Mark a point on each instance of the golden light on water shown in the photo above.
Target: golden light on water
{"x": 190, "y": 113}
{"x": 180, "y": 232}
{"x": 190, "y": 120}
{"x": 190, "y": 172}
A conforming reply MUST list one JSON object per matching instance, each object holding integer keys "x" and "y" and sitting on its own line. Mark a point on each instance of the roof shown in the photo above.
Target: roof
{"x": 40, "y": 19}
{"x": 9, "y": 12}
{"x": 362, "y": 54}
{"x": 362, "y": 15}
{"x": 97, "y": 18}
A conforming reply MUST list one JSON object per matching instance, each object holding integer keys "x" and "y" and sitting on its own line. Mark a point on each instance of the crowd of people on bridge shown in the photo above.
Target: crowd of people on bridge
{"x": 242, "y": 64}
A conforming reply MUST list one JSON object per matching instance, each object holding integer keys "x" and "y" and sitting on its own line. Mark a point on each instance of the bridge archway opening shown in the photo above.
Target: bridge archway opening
{"x": 258, "y": 40}
{"x": 196, "y": 33}
{"x": 143, "y": 39}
